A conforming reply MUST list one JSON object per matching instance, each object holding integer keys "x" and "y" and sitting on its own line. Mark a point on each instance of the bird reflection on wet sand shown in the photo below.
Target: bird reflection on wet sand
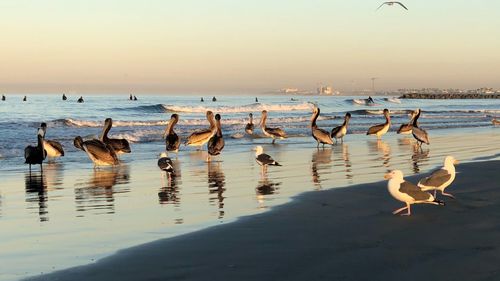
{"x": 169, "y": 194}
{"x": 419, "y": 157}
{"x": 97, "y": 194}
{"x": 344, "y": 156}
{"x": 381, "y": 147}
{"x": 216, "y": 183}
{"x": 321, "y": 159}
{"x": 36, "y": 192}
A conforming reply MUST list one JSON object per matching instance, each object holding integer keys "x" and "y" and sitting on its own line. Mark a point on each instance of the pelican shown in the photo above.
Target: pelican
{"x": 440, "y": 179}
{"x": 172, "y": 140}
{"x": 406, "y": 129}
{"x": 166, "y": 165}
{"x": 200, "y": 137}
{"x": 36, "y": 154}
{"x": 271, "y": 132}
{"x": 390, "y": 3}
{"x": 120, "y": 146}
{"x": 381, "y": 129}
{"x": 419, "y": 134}
{"x": 263, "y": 159}
{"x": 216, "y": 142}
{"x": 53, "y": 148}
{"x": 407, "y": 192}
{"x": 100, "y": 153}
{"x": 320, "y": 135}
{"x": 340, "y": 131}
{"x": 249, "y": 126}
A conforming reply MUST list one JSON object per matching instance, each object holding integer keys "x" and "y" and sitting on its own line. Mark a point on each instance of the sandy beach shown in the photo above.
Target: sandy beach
{"x": 339, "y": 234}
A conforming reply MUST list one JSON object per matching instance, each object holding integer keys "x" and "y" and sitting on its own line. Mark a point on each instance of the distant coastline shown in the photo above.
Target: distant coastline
{"x": 449, "y": 96}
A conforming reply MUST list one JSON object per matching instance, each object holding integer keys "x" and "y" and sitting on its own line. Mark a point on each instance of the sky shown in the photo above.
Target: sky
{"x": 238, "y": 46}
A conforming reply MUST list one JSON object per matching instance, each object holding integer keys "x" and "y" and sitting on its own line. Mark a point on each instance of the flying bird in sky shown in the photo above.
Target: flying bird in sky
{"x": 390, "y": 3}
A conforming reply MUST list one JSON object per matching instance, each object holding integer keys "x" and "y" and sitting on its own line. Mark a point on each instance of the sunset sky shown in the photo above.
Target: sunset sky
{"x": 238, "y": 46}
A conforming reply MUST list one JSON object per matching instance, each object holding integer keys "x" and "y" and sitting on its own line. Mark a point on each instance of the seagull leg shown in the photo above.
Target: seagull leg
{"x": 447, "y": 194}
{"x": 409, "y": 210}
{"x": 400, "y": 210}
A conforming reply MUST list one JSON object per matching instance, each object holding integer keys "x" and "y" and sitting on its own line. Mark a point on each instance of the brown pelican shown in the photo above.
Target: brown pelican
{"x": 263, "y": 159}
{"x": 166, "y": 165}
{"x": 80, "y": 100}
{"x": 53, "y": 148}
{"x": 200, "y": 137}
{"x": 172, "y": 140}
{"x": 216, "y": 142}
{"x": 100, "y": 153}
{"x": 440, "y": 179}
{"x": 320, "y": 135}
{"x": 381, "y": 129}
{"x": 340, "y": 131}
{"x": 271, "y": 132}
{"x": 407, "y": 192}
{"x": 419, "y": 134}
{"x": 406, "y": 129}
{"x": 249, "y": 126}
{"x": 36, "y": 154}
{"x": 390, "y": 3}
{"x": 64, "y": 97}
{"x": 120, "y": 146}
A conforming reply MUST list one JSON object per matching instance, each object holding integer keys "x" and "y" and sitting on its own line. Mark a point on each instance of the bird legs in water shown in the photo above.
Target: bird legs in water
{"x": 402, "y": 209}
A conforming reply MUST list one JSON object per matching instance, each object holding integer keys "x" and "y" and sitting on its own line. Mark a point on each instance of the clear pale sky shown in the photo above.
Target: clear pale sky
{"x": 252, "y": 45}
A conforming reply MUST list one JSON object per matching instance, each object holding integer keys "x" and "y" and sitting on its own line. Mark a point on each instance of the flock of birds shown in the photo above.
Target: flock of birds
{"x": 104, "y": 151}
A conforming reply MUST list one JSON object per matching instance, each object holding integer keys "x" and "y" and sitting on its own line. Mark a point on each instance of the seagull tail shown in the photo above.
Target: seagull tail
{"x": 276, "y": 164}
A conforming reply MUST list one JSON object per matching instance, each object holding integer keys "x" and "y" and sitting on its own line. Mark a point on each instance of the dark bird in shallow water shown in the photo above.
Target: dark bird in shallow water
{"x": 36, "y": 154}
{"x": 320, "y": 135}
{"x": 53, "y": 148}
{"x": 119, "y": 145}
{"x": 172, "y": 140}
{"x": 405, "y": 129}
{"x": 381, "y": 129}
{"x": 273, "y": 133}
{"x": 249, "y": 127}
{"x": 340, "y": 131}
{"x": 100, "y": 153}
{"x": 216, "y": 143}
{"x": 419, "y": 134}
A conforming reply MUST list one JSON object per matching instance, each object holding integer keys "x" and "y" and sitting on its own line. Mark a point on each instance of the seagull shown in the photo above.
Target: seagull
{"x": 407, "y": 192}
{"x": 440, "y": 179}
{"x": 390, "y": 3}
{"x": 340, "y": 131}
{"x": 381, "y": 129}
{"x": 166, "y": 165}
{"x": 263, "y": 159}
{"x": 320, "y": 135}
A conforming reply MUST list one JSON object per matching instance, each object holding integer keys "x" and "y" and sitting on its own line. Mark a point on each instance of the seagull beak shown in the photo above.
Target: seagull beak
{"x": 387, "y": 176}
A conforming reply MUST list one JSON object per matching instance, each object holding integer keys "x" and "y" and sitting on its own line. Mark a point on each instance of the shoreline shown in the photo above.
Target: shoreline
{"x": 317, "y": 236}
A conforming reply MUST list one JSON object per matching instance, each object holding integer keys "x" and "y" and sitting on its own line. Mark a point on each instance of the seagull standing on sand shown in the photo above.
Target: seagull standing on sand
{"x": 249, "y": 127}
{"x": 53, "y": 148}
{"x": 200, "y": 137}
{"x": 320, "y": 135}
{"x": 166, "y": 165}
{"x": 419, "y": 134}
{"x": 407, "y": 192}
{"x": 172, "y": 140}
{"x": 340, "y": 131}
{"x": 390, "y": 3}
{"x": 273, "y": 133}
{"x": 263, "y": 159}
{"x": 381, "y": 129}
{"x": 440, "y": 179}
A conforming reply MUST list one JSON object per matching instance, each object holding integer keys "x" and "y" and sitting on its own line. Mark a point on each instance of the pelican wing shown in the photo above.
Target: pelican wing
{"x": 172, "y": 142}
{"x": 278, "y": 132}
{"x": 119, "y": 145}
{"x": 436, "y": 179}
{"x": 56, "y": 145}
{"x": 401, "y": 5}
{"x": 322, "y": 135}
{"x": 249, "y": 127}
{"x": 215, "y": 145}
{"x": 335, "y": 131}
{"x": 405, "y": 128}
{"x": 101, "y": 151}
{"x": 374, "y": 129}
{"x": 199, "y": 136}
{"x": 414, "y": 191}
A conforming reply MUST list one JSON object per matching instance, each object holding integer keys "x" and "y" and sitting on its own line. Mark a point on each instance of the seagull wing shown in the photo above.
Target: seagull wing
{"x": 381, "y": 5}
{"x": 401, "y": 5}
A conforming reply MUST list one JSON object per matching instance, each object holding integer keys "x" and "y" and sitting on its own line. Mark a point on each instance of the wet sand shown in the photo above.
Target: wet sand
{"x": 337, "y": 234}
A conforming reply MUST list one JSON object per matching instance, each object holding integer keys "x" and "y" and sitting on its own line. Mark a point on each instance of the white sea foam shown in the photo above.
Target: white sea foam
{"x": 256, "y": 107}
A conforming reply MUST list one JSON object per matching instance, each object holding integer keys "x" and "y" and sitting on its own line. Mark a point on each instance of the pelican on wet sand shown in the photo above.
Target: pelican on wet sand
{"x": 36, "y": 154}
{"x": 406, "y": 129}
{"x": 274, "y": 133}
{"x": 249, "y": 127}
{"x": 340, "y": 131}
{"x": 320, "y": 135}
{"x": 53, "y": 148}
{"x": 381, "y": 129}
{"x": 419, "y": 134}
{"x": 172, "y": 140}
{"x": 120, "y": 146}
{"x": 216, "y": 142}
{"x": 100, "y": 153}
{"x": 200, "y": 137}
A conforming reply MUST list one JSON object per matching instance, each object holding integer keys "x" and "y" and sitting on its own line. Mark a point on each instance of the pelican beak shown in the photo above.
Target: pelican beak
{"x": 387, "y": 176}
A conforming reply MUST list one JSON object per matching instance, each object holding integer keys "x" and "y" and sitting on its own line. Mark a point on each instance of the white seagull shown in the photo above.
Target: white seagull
{"x": 407, "y": 192}
{"x": 440, "y": 179}
{"x": 263, "y": 159}
{"x": 390, "y": 3}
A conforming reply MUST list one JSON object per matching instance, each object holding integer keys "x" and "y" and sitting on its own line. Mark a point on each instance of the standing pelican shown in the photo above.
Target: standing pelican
{"x": 36, "y": 154}
{"x": 216, "y": 142}
{"x": 166, "y": 165}
{"x": 271, "y": 132}
{"x": 340, "y": 131}
{"x": 419, "y": 134}
{"x": 53, "y": 148}
{"x": 320, "y": 135}
{"x": 263, "y": 159}
{"x": 381, "y": 129}
{"x": 249, "y": 126}
{"x": 100, "y": 153}
{"x": 119, "y": 145}
{"x": 200, "y": 137}
{"x": 406, "y": 129}
{"x": 172, "y": 140}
